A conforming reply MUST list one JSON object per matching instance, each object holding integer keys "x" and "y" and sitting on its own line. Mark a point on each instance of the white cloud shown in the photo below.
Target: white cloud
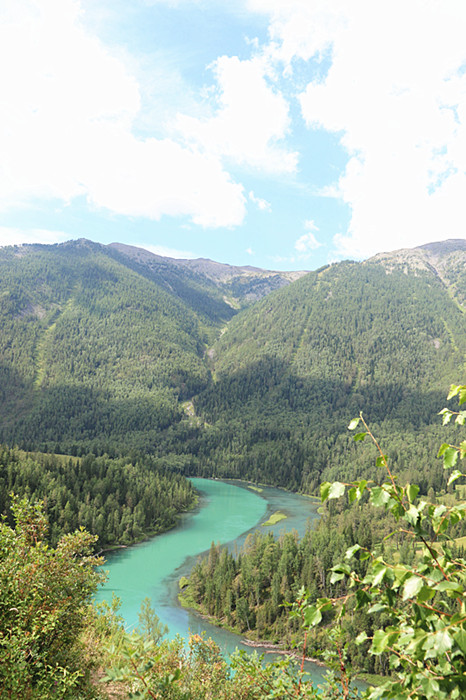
{"x": 17, "y": 236}
{"x": 307, "y": 242}
{"x": 249, "y": 251}
{"x": 250, "y": 118}
{"x": 262, "y": 204}
{"x": 67, "y": 108}
{"x": 395, "y": 93}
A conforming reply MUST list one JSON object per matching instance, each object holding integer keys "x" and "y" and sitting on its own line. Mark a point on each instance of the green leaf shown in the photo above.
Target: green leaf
{"x": 449, "y": 586}
{"x": 353, "y": 424}
{"x": 362, "y": 598}
{"x": 456, "y": 474}
{"x": 342, "y": 568}
{"x": 359, "y": 436}
{"x": 412, "y": 491}
{"x": 379, "y": 576}
{"x": 460, "y": 639}
{"x": 361, "y": 638}
{"x": 443, "y": 447}
{"x": 336, "y": 490}
{"x": 454, "y": 389}
{"x": 379, "y": 641}
{"x": 412, "y": 515}
{"x": 463, "y": 449}
{"x": 412, "y": 587}
{"x": 312, "y": 616}
{"x": 439, "y": 511}
{"x": 324, "y": 490}
{"x": 381, "y": 461}
{"x": 352, "y": 551}
{"x": 378, "y": 607}
{"x": 450, "y": 457}
{"x": 426, "y": 593}
{"x": 447, "y": 416}
{"x": 379, "y": 497}
{"x": 440, "y": 642}
{"x": 335, "y": 577}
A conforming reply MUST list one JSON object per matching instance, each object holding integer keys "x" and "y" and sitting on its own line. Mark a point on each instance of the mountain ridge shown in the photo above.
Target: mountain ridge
{"x": 112, "y": 348}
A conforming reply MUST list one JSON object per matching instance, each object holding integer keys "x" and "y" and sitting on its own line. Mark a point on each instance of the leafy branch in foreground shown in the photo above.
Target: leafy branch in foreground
{"x": 44, "y": 604}
{"x": 425, "y": 603}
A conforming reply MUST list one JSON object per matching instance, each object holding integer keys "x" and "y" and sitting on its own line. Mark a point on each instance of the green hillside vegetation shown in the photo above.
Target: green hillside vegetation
{"x": 113, "y": 350}
{"x": 290, "y": 369}
{"x": 92, "y": 349}
{"x": 120, "y": 500}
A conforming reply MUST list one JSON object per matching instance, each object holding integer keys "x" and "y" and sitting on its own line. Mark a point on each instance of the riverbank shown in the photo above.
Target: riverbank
{"x": 149, "y": 534}
{"x": 188, "y": 603}
{"x": 266, "y": 646}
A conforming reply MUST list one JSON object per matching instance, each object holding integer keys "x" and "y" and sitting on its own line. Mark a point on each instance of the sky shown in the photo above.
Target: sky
{"x": 283, "y": 134}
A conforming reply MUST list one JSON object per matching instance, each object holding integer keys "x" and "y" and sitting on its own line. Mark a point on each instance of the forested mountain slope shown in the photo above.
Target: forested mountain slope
{"x": 236, "y": 286}
{"x": 370, "y": 336}
{"x": 110, "y": 348}
{"x": 90, "y": 347}
{"x": 100, "y": 345}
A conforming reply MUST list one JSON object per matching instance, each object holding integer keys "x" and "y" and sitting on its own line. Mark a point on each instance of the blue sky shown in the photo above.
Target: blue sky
{"x": 278, "y": 133}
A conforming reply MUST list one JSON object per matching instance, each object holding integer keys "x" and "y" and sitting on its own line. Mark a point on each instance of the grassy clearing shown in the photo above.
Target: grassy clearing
{"x": 274, "y": 519}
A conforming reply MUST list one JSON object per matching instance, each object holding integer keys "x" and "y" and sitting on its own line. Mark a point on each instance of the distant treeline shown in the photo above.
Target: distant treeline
{"x": 120, "y": 500}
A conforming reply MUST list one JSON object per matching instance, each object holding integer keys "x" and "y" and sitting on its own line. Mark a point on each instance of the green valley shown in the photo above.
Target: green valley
{"x": 111, "y": 349}
{"x": 123, "y": 372}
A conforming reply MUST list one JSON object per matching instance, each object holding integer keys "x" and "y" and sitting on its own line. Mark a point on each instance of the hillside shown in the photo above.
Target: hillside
{"x": 371, "y": 336}
{"x": 91, "y": 348}
{"x": 236, "y": 286}
{"x": 112, "y": 348}
{"x": 103, "y": 343}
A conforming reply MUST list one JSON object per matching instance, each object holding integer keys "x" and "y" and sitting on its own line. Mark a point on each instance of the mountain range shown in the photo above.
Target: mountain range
{"x": 229, "y": 371}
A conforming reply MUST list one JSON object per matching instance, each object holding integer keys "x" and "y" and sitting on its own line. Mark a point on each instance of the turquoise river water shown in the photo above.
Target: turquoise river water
{"x": 226, "y": 513}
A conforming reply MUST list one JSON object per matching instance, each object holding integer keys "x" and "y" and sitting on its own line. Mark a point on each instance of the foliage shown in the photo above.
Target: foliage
{"x": 149, "y": 623}
{"x": 119, "y": 500}
{"x": 425, "y": 602}
{"x": 43, "y": 597}
{"x": 170, "y": 671}
{"x": 101, "y": 347}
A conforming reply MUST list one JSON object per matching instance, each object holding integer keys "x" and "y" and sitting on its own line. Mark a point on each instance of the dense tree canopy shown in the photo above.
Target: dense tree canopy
{"x": 104, "y": 351}
{"x": 119, "y": 500}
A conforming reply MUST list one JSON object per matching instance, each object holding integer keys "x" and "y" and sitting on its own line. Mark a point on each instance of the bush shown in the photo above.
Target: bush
{"x": 44, "y": 596}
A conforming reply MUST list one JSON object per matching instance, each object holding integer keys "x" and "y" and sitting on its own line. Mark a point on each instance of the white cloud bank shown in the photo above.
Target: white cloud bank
{"x": 250, "y": 119}
{"x": 67, "y": 107}
{"x": 16, "y": 236}
{"x": 395, "y": 93}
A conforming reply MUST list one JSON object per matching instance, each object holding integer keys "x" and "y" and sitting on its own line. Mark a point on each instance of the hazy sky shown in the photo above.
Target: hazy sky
{"x": 277, "y": 133}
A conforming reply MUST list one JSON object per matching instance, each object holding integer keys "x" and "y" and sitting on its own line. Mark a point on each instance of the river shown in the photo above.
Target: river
{"x": 226, "y": 513}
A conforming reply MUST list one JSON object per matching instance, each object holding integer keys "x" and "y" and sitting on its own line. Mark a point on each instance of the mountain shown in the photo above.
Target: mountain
{"x": 231, "y": 371}
{"x": 240, "y": 286}
{"x": 386, "y": 336}
{"x": 105, "y": 342}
